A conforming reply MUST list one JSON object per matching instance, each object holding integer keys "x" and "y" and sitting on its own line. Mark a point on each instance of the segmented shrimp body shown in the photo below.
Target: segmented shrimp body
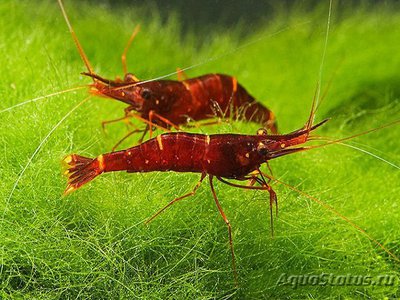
{"x": 221, "y": 155}
{"x": 196, "y": 99}
{"x": 231, "y": 156}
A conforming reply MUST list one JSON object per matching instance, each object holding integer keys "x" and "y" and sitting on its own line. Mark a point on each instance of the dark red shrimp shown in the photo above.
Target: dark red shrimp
{"x": 170, "y": 103}
{"x": 224, "y": 156}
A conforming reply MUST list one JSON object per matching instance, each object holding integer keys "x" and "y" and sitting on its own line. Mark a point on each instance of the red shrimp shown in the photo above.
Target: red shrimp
{"x": 224, "y": 156}
{"x": 170, "y": 103}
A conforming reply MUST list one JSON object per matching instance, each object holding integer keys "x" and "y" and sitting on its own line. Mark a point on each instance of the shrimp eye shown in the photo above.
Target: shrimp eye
{"x": 262, "y": 149}
{"x": 262, "y": 131}
{"x": 146, "y": 94}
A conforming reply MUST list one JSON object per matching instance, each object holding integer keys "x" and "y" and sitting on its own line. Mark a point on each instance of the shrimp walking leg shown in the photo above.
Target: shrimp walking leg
{"x": 272, "y": 199}
{"x": 149, "y": 127}
{"x": 197, "y": 124}
{"x": 129, "y": 134}
{"x": 264, "y": 186}
{"x": 130, "y": 114}
{"x": 193, "y": 192}
{"x": 124, "y": 119}
{"x": 181, "y": 74}
{"x": 228, "y": 225}
{"x": 154, "y": 115}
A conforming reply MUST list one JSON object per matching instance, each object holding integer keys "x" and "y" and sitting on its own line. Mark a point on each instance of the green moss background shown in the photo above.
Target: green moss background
{"x": 93, "y": 244}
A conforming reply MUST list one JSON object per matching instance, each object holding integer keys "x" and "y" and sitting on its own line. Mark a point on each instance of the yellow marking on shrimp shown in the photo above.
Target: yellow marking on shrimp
{"x": 262, "y": 131}
{"x": 123, "y": 94}
{"x": 187, "y": 85}
{"x": 234, "y": 83}
{"x": 283, "y": 145}
{"x": 208, "y": 139}
{"x": 159, "y": 141}
{"x": 247, "y": 155}
{"x": 272, "y": 117}
{"x": 68, "y": 159}
{"x": 69, "y": 189}
{"x": 100, "y": 160}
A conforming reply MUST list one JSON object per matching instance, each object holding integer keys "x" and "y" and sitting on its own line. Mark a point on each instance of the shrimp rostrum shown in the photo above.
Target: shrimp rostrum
{"x": 223, "y": 156}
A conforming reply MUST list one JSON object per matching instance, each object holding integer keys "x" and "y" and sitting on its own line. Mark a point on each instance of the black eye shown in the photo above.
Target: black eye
{"x": 262, "y": 149}
{"x": 145, "y": 94}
